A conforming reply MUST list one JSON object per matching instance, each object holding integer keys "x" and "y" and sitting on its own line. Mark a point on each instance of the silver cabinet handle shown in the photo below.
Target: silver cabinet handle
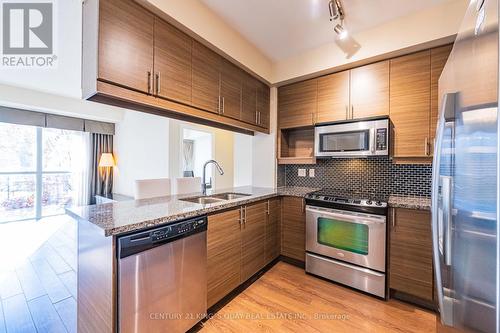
{"x": 393, "y": 219}
{"x": 245, "y": 210}
{"x": 256, "y": 117}
{"x": 347, "y": 112}
{"x": 158, "y": 83}
{"x": 219, "y": 105}
{"x": 149, "y": 82}
{"x": 352, "y": 111}
{"x": 260, "y": 119}
{"x": 223, "y": 105}
{"x": 426, "y": 143}
{"x": 268, "y": 208}
{"x": 240, "y": 220}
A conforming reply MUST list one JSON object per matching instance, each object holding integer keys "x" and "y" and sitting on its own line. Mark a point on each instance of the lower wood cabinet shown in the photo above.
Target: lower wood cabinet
{"x": 240, "y": 242}
{"x": 253, "y": 239}
{"x": 224, "y": 254}
{"x": 293, "y": 228}
{"x": 410, "y": 259}
{"x": 273, "y": 228}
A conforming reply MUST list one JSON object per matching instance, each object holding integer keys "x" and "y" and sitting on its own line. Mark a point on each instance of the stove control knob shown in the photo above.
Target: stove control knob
{"x": 378, "y": 203}
{"x": 369, "y": 202}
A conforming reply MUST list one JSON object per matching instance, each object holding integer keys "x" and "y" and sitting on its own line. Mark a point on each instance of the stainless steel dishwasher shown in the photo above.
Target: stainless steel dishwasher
{"x": 162, "y": 278}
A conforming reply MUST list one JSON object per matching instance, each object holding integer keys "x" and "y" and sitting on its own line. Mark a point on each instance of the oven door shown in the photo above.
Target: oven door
{"x": 356, "y": 238}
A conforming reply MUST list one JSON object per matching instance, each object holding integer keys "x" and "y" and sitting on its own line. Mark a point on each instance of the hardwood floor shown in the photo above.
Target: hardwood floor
{"x": 38, "y": 276}
{"x": 285, "y": 299}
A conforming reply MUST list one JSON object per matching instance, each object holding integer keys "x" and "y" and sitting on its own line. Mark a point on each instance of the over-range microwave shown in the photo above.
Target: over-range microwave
{"x": 361, "y": 138}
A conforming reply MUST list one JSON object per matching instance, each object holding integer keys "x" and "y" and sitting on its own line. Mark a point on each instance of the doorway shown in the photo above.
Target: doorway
{"x": 196, "y": 148}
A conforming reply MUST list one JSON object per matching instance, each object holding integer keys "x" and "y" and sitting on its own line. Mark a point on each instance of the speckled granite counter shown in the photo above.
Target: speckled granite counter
{"x": 422, "y": 203}
{"x": 119, "y": 217}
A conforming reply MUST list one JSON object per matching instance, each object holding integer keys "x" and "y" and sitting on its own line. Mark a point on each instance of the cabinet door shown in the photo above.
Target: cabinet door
{"x": 297, "y": 104}
{"x": 172, "y": 63}
{"x": 224, "y": 254}
{"x": 370, "y": 90}
{"x": 293, "y": 228}
{"x": 125, "y": 44}
{"x": 411, "y": 253}
{"x": 249, "y": 99}
{"x": 230, "y": 89}
{"x": 333, "y": 97}
{"x": 410, "y": 104}
{"x": 205, "y": 76}
{"x": 264, "y": 104}
{"x": 273, "y": 227}
{"x": 439, "y": 56}
{"x": 253, "y": 238}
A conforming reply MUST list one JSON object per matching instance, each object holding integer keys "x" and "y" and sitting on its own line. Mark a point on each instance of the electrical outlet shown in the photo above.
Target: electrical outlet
{"x": 302, "y": 172}
{"x": 311, "y": 173}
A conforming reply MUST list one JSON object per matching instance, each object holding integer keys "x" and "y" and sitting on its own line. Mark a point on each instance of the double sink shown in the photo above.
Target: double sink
{"x": 210, "y": 199}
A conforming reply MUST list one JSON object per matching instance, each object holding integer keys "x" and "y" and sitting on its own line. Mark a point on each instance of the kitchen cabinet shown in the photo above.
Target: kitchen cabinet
{"x": 293, "y": 228}
{"x": 410, "y": 104}
{"x": 230, "y": 90}
{"x": 223, "y": 254}
{"x": 333, "y": 97}
{"x": 240, "y": 242}
{"x": 249, "y": 99}
{"x": 172, "y": 63}
{"x": 273, "y": 227}
{"x": 205, "y": 78}
{"x": 253, "y": 239}
{"x": 296, "y": 146}
{"x": 146, "y": 64}
{"x": 125, "y": 45}
{"x": 369, "y": 87}
{"x": 410, "y": 253}
{"x": 297, "y": 104}
{"x": 439, "y": 56}
{"x": 263, "y": 104}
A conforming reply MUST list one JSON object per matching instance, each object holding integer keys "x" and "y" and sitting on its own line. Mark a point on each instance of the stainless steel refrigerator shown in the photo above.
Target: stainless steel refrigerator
{"x": 465, "y": 172}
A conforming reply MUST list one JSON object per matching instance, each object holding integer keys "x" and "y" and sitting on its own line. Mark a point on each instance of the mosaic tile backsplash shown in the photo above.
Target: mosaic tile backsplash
{"x": 367, "y": 175}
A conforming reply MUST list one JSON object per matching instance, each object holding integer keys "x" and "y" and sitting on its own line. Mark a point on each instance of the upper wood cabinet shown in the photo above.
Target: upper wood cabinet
{"x": 172, "y": 63}
{"x": 249, "y": 99}
{"x": 293, "y": 228}
{"x": 333, "y": 97}
{"x": 263, "y": 104}
{"x": 146, "y": 64}
{"x": 370, "y": 90}
{"x": 410, "y": 104}
{"x": 230, "y": 90}
{"x": 297, "y": 104}
{"x": 439, "y": 56}
{"x": 410, "y": 256}
{"x": 125, "y": 44}
{"x": 253, "y": 238}
{"x": 206, "y": 72}
{"x": 223, "y": 254}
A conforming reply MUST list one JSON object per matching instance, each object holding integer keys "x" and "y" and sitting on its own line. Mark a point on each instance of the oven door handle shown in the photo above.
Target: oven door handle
{"x": 347, "y": 218}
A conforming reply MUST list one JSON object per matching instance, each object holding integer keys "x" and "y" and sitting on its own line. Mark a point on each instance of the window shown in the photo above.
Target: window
{"x": 197, "y": 147}
{"x": 41, "y": 171}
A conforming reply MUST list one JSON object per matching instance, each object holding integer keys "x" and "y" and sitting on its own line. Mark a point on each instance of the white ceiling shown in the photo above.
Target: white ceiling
{"x": 283, "y": 28}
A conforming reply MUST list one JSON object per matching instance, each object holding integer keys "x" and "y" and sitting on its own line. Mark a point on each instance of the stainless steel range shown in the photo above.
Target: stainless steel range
{"x": 346, "y": 239}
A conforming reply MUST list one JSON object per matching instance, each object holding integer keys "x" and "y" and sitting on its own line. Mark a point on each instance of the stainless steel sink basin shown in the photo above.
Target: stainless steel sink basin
{"x": 229, "y": 196}
{"x": 204, "y": 200}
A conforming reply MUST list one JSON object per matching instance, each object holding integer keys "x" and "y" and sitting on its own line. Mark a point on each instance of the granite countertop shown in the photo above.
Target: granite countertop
{"x": 409, "y": 202}
{"x": 115, "y": 218}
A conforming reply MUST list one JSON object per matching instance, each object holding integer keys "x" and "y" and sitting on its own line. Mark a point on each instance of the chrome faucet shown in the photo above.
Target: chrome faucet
{"x": 204, "y": 184}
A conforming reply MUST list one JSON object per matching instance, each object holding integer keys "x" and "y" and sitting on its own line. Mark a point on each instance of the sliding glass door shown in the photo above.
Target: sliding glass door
{"x": 42, "y": 170}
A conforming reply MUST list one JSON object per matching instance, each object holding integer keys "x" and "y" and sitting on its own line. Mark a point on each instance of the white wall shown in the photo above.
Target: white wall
{"x": 141, "y": 149}
{"x": 243, "y": 159}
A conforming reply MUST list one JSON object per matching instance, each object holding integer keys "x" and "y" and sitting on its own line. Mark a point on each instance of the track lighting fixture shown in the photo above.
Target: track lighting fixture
{"x": 337, "y": 13}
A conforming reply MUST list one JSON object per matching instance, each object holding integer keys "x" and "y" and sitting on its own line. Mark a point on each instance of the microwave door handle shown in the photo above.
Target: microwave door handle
{"x": 448, "y": 108}
{"x": 372, "y": 140}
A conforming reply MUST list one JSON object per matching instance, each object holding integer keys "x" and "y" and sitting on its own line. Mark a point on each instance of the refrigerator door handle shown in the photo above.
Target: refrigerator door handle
{"x": 446, "y": 194}
{"x": 447, "y": 112}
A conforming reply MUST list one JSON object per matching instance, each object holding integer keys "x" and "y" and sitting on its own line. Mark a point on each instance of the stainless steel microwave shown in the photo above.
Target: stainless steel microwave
{"x": 354, "y": 139}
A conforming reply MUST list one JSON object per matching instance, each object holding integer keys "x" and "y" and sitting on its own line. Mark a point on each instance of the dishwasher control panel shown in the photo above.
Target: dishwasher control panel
{"x": 140, "y": 241}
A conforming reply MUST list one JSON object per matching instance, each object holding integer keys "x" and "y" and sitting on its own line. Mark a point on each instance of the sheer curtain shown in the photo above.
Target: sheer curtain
{"x": 188, "y": 154}
{"x": 81, "y": 169}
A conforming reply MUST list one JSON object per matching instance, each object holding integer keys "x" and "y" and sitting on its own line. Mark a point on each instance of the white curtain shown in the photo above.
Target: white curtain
{"x": 80, "y": 169}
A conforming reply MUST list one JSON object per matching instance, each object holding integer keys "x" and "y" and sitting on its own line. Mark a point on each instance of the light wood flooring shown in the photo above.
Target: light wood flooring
{"x": 285, "y": 299}
{"x": 38, "y": 276}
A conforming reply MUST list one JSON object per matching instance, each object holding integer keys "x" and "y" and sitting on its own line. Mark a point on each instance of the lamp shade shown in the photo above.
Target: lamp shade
{"x": 106, "y": 160}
